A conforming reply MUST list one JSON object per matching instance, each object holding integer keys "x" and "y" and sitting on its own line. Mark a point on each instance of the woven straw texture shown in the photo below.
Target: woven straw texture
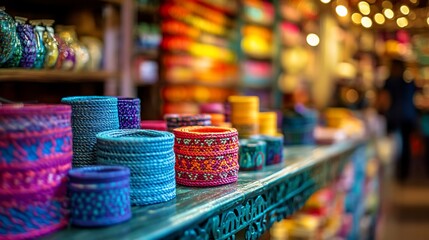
{"x": 99, "y": 195}
{"x": 35, "y": 156}
{"x": 149, "y": 156}
{"x": 182, "y": 120}
{"x": 90, "y": 115}
{"x": 252, "y": 154}
{"x": 129, "y": 113}
{"x": 206, "y": 156}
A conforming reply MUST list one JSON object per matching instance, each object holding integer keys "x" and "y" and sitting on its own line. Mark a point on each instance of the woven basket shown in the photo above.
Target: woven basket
{"x": 90, "y": 115}
{"x": 252, "y": 154}
{"x": 99, "y": 195}
{"x": 149, "y": 156}
{"x": 129, "y": 113}
{"x": 206, "y": 156}
{"x": 35, "y": 156}
{"x": 304, "y": 136}
{"x": 274, "y": 151}
{"x": 299, "y": 129}
{"x": 154, "y": 125}
{"x": 182, "y": 120}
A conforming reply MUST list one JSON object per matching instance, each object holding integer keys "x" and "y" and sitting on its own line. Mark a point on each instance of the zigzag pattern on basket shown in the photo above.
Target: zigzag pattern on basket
{"x": 206, "y": 156}
{"x": 38, "y": 219}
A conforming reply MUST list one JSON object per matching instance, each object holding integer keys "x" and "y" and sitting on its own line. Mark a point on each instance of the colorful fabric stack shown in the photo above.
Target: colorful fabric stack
{"x": 206, "y": 156}
{"x": 274, "y": 151}
{"x": 244, "y": 114}
{"x": 90, "y": 115}
{"x": 182, "y": 120}
{"x": 129, "y": 113}
{"x": 252, "y": 154}
{"x": 35, "y": 156}
{"x": 268, "y": 123}
{"x": 150, "y": 157}
{"x": 298, "y": 127}
{"x": 154, "y": 125}
{"x": 99, "y": 195}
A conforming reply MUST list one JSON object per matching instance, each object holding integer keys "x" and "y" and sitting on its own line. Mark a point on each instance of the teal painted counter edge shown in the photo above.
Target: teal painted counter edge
{"x": 254, "y": 203}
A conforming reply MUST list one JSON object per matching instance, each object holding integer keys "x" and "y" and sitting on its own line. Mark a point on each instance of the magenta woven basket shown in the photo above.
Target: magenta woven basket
{"x": 35, "y": 156}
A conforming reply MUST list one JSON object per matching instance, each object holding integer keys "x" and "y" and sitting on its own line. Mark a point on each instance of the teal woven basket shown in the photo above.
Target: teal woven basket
{"x": 150, "y": 157}
{"x": 90, "y": 115}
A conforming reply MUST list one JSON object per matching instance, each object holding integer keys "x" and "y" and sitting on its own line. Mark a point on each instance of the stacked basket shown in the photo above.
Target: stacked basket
{"x": 206, "y": 156}
{"x": 268, "y": 123}
{"x": 244, "y": 114}
{"x": 35, "y": 156}
{"x": 182, "y": 120}
{"x": 90, "y": 115}
{"x": 149, "y": 156}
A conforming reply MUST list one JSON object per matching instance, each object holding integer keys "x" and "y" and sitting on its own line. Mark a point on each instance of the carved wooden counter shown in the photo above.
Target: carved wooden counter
{"x": 252, "y": 204}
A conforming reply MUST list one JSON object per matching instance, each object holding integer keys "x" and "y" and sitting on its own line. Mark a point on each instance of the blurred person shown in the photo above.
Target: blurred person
{"x": 396, "y": 99}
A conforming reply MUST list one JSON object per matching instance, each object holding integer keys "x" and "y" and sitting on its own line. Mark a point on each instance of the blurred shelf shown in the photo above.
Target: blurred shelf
{"x": 150, "y": 53}
{"x": 118, "y": 2}
{"x": 256, "y": 87}
{"x": 28, "y": 75}
{"x": 202, "y": 84}
{"x": 147, "y": 9}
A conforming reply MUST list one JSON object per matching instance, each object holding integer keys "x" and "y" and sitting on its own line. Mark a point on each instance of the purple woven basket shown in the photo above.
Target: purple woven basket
{"x": 129, "y": 113}
{"x": 35, "y": 156}
{"x": 100, "y": 195}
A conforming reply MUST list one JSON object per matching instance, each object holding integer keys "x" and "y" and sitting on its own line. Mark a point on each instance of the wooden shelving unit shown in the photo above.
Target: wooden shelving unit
{"x": 26, "y": 75}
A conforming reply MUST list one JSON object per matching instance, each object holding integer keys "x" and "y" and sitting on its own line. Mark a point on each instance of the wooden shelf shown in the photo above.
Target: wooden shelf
{"x": 28, "y": 75}
{"x": 202, "y": 84}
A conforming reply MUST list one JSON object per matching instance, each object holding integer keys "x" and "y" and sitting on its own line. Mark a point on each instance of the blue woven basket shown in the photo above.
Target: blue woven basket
{"x": 149, "y": 155}
{"x": 90, "y": 115}
{"x": 99, "y": 195}
{"x": 299, "y": 129}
